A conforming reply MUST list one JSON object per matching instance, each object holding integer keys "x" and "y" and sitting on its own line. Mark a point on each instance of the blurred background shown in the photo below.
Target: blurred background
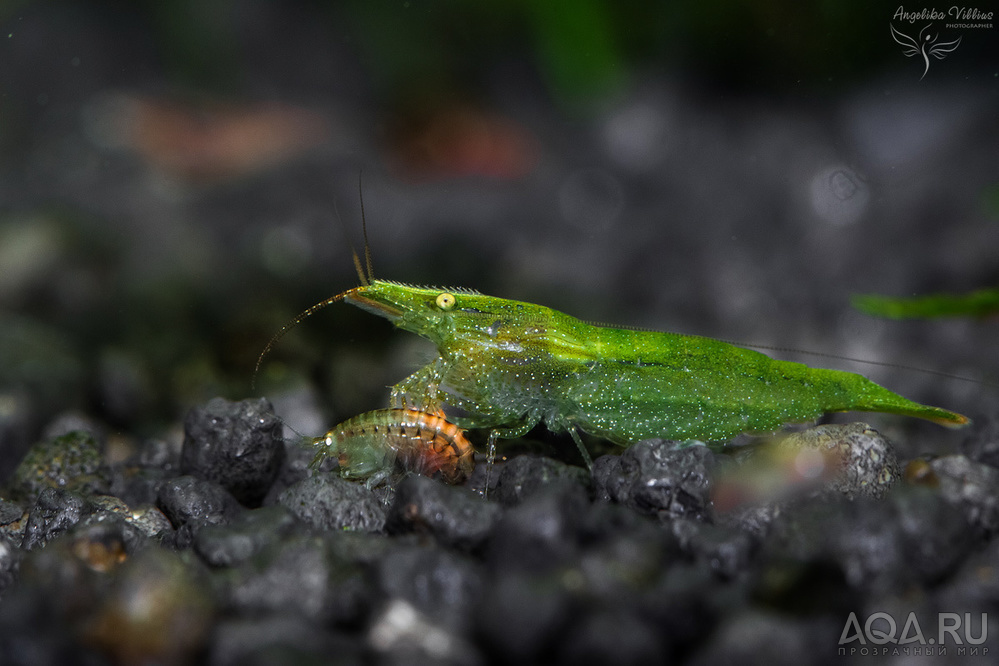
{"x": 179, "y": 178}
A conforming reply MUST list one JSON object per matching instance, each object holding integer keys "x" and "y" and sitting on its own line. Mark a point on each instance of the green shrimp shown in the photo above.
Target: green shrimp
{"x": 508, "y": 365}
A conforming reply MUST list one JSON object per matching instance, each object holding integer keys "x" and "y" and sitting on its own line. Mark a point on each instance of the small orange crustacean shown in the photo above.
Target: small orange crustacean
{"x": 374, "y": 444}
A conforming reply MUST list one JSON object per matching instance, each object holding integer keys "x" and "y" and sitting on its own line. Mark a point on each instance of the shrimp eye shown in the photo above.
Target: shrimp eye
{"x": 445, "y": 301}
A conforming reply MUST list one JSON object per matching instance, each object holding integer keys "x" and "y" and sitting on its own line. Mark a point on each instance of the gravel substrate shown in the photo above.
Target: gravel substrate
{"x": 192, "y": 556}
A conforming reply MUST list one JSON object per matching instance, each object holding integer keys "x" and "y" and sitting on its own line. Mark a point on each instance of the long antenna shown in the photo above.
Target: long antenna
{"x": 364, "y": 231}
{"x": 365, "y": 276}
{"x": 365, "y": 281}
{"x": 291, "y": 324}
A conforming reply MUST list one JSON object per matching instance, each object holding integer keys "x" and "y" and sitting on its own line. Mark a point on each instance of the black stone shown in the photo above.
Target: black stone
{"x": 612, "y": 637}
{"x": 767, "y": 638}
{"x": 250, "y": 532}
{"x": 438, "y": 583}
{"x": 726, "y": 550}
{"x": 686, "y": 602}
{"x": 54, "y": 512}
{"x": 235, "y": 444}
{"x": 456, "y": 517}
{"x": 187, "y": 500}
{"x": 656, "y": 478}
{"x": 13, "y": 520}
{"x": 297, "y": 575}
{"x": 279, "y": 641}
{"x": 521, "y": 616}
{"x": 982, "y": 442}
{"x": 541, "y": 534}
{"x": 328, "y": 502}
{"x": 73, "y": 461}
{"x": 527, "y": 475}
{"x": 911, "y": 535}
{"x": 972, "y": 487}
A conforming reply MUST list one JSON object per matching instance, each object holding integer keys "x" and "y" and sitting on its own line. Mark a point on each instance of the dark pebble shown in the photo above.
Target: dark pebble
{"x": 540, "y": 534}
{"x": 686, "y": 602}
{"x": 527, "y": 475}
{"x": 150, "y": 521}
{"x": 860, "y": 461}
{"x": 971, "y": 486}
{"x": 534, "y": 609}
{"x": 229, "y": 545}
{"x": 604, "y": 557}
{"x": 763, "y": 638}
{"x": 296, "y": 575}
{"x": 190, "y": 504}
{"x": 440, "y": 584}
{"x": 102, "y": 530}
{"x": 975, "y": 586}
{"x": 656, "y": 478}
{"x": 137, "y": 480}
{"x": 805, "y": 588}
{"x": 54, "y": 512}
{"x": 112, "y": 527}
{"x": 454, "y": 516}
{"x": 10, "y": 512}
{"x": 933, "y": 535}
{"x": 363, "y": 547}
{"x": 279, "y": 641}
{"x": 328, "y": 502}
{"x": 401, "y": 634}
{"x": 73, "y": 461}
{"x": 860, "y": 539}
{"x": 752, "y": 519}
{"x": 235, "y": 444}
{"x": 187, "y": 499}
{"x": 13, "y": 519}
{"x": 105, "y": 545}
{"x": 982, "y": 442}
{"x": 138, "y": 486}
{"x": 33, "y": 631}
{"x": 622, "y": 553}
{"x": 612, "y": 637}
{"x": 852, "y": 459}
{"x": 726, "y": 550}
{"x": 158, "y": 609}
{"x": 913, "y": 534}
{"x": 868, "y": 465}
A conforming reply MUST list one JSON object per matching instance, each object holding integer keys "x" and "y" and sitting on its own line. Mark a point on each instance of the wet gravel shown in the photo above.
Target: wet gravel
{"x": 634, "y": 564}
{"x": 748, "y": 178}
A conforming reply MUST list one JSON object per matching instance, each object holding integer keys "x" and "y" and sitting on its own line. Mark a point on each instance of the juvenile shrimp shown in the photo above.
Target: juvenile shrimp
{"x": 373, "y": 444}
